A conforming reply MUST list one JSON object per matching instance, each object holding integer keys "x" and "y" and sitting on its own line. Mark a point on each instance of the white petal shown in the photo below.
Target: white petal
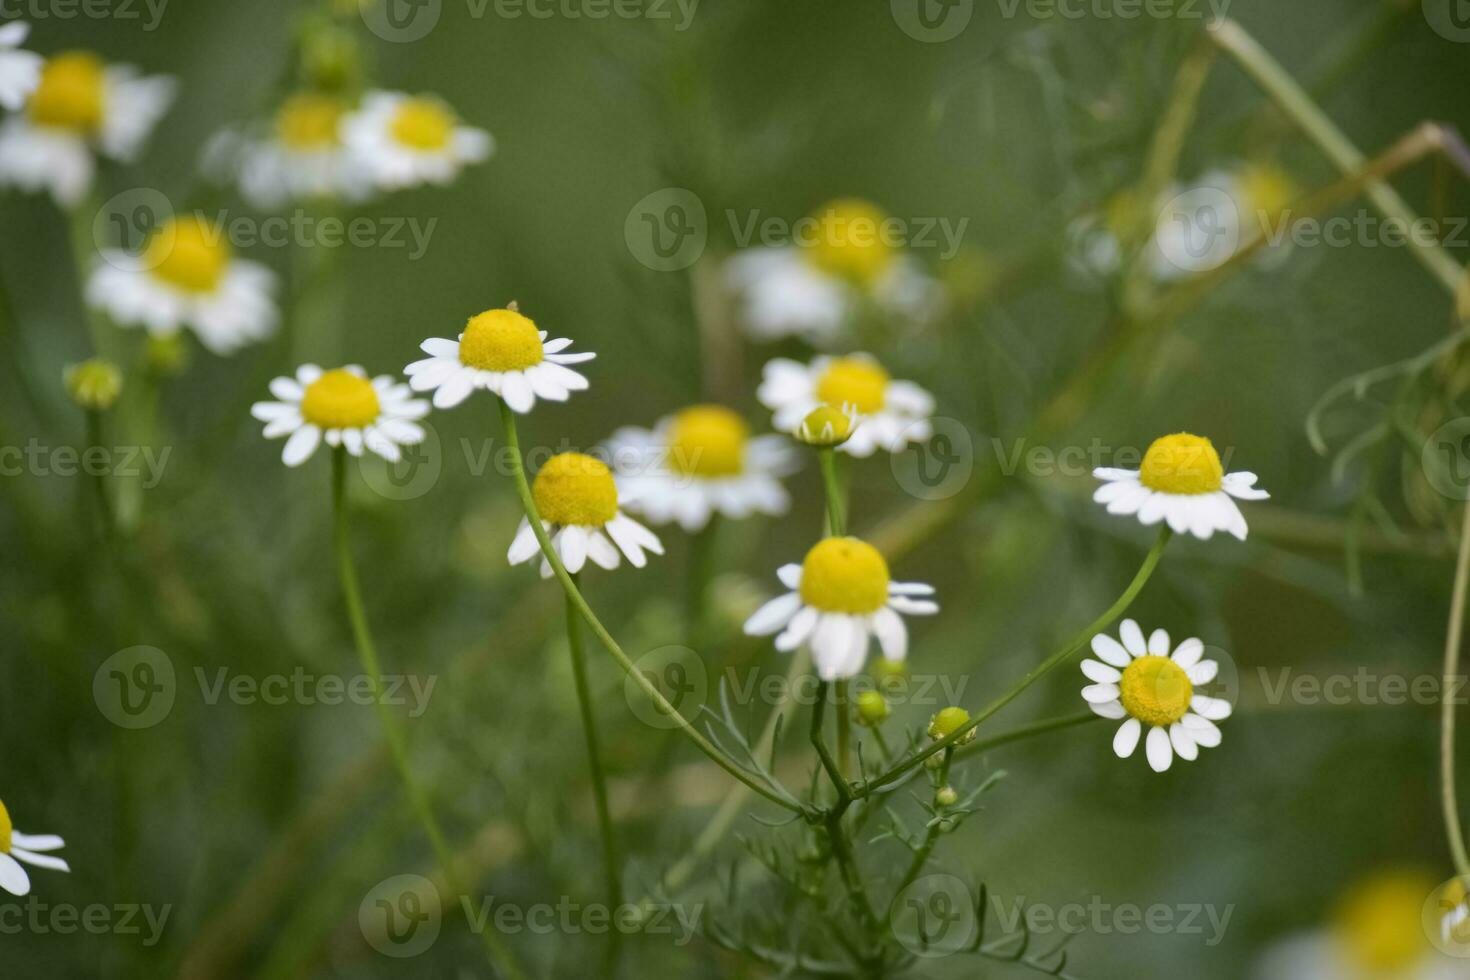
{"x": 601, "y": 550}
{"x": 1158, "y": 643}
{"x": 1187, "y": 654}
{"x": 790, "y": 576}
{"x": 1203, "y": 672}
{"x": 1100, "y": 693}
{"x": 1100, "y": 672}
{"x": 799, "y": 630}
{"x": 773, "y": 615}
{"x": 1201, "y": 730}
{"x": 1109, "y": 709}
{"x": 1126, "y": 738}
{"x": 1132, "y": 638}
{"x": 893, "y": 636}
{"x": 1184, "y": 745}
{"x": 1160, "y": 751}
{"x": 40, "y": 860}
{"x": 301, "y": 445}
{"x": 455, "y": 390}
{"x": 13, "y": 877}
{"x": 913, "y": 607}
{"x": 1110, "y": 650}
{"x": 572, "y": 545}
{"x": 524, "y": 546}
{"x": 1214, "y": 709}
{"x": 517, "y": 392}
{"x": 910, "y": 588}
{"x": 37, "y": 842}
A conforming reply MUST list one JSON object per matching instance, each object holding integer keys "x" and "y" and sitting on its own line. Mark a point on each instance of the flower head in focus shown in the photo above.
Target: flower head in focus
{"x": 1183, "y": 482}
{"x": 576, "y": 497}
{"x": 16, "y": 847}
{"x": 402, "y": 140}
{"x": 891, "y": 413}
{"x": 344, "y": 408}
{"x": 20, "y": 71}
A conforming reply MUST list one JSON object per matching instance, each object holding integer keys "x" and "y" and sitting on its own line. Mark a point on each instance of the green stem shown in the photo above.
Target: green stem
{"x": 105, "y": 511}
{"x": 599, "y": 781}
{"x": 1150, "y": 562}
{"x": 844, "y": 727}
{"x": 931, "y": 836}
{"x": 1025, "y": 732}
{"x": 528, "y": 504}
{"x": 500, "y": 957}
{"x": 836, "y": 834}
{"x": 836, "y": 511}
{"x": 701, "y": 555}
{"x": 1453, "y": 638}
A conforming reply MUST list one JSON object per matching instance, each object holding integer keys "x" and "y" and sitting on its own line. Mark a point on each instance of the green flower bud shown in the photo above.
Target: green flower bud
{"x": 825, "y": 426}
{"x": 947, "y": 722}
{"x": 946, "y": 796}
{"x": 872, "y": 709}
{"x": 94, "y": 384}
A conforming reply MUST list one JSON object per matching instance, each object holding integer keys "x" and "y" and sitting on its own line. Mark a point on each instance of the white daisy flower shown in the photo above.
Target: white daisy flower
{"x": 698, "y": 462}
{"x": 343, "y": 407}
{"x": 840, "y": 598}
{"x": 814, "y": 289}
{"x": 500, "y": 351}
{"x": 1143, "y": 682}
{"x": 187, "y": 276}
{"x": 302, "y": 157}
{"x": 1183, "y": 482}
{"x": 79, "y": 104}
{"x": 16, "y": 847}
{"x": 577, "y": 500}
{"x": 20, "y": 71}
{"x": 893, "y": 413}
{"x": 404, "y": 141}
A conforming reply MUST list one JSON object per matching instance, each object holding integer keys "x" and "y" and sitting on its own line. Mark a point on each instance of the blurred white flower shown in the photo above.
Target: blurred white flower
{"x": 891, "y": 413}
{"x": 577, "y": 499}
{"x": 1183, "y": 482}
{"x": 16, "y": 847}
{"x": 403, "y": 140}
{"x": 20, "y": 71}
{"x": 79, "y": 107}
{"x": 343, "y": 408}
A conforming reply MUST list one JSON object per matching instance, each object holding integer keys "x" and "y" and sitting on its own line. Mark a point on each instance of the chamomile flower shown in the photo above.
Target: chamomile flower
{"x": 1143, "y": 682}
{"x": 1182, "y": 481}
{"x": 577, "y": 499}
{"x": 841, "y": 597}
{"x": 343, "y": 408}
{"x": 405, "y": 140}
{"x": 501, "y": 351}
{"x": 302, "y": 156}
{"x": 20, "y": 71}
{"x": 698, "y": 462}
{"x": 79, "y": 105}
{"x": 187, "y": 276}
{"x": 16, "y": 847}
{"x": 892, "y": 413}
{"x": 812, "y": 290}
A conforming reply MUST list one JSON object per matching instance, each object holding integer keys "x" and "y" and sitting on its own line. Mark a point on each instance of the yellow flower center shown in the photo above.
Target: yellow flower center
{"x": 340, "y": 399}
{"x": 844, "y": 575}
{"x": 71, "y": 93}
{"x": 854, "y": 381}
{"x": 1267, "y": 191}
{"x": 7, "y": 830}
{"x": 188, "y": 253}
{"x": 500, "y": 340}
{"x": 708, "y": 440}
{"x": 1182, "y": 463}
{"x": 826, "y": 426}
{"x": 423, "y": 124}
{"x": 309, "y": 121}
{"x": 1156, "y": 690}
{"x": 849, "y": 241}
{"x": 574, "y": 488}
{"x": 1380, "y": 922}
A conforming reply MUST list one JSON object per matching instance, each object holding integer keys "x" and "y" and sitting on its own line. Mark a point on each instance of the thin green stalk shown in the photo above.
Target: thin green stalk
{"x": 1453, "y": 638}
{"x": 842, "y": 691}
{"x": 1025, "y": 732}
{"x": 1150, "y": 562}
{"x": 610, "y": 860}
{"x": 105, "y": 511}
{"x": 931, "y": 835}
{"x": 836, "y": 834}
{"x": 500, "y": 957}
{"x": 701, "y": 556}
{"x": 836, "y": 510}
{"x": 528, "y": 504}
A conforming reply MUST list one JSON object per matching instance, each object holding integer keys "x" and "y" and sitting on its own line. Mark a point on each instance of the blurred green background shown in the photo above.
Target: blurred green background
{"x": 262, "y": 827}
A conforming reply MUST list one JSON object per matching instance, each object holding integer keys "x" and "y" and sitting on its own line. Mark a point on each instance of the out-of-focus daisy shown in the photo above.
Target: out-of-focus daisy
{"x": 812, "y": 289}
{"x": 1143, "y": 682}
{"x": 841, "y": 596}
{"x": 698, "y": 462}
{"x": 79, "y": 104}
{"x": 1377, "y": 933}
{"x": 501, "y": 351}
{"x": 343, "y": 407}
{"x": 892, "y": 413}
{"x": 187, "y": 276}
{"x": 20, "y": 71}
{"x": 16, "y": 847}
{"x": 1183, "y": 482}
{"x": 577, "y": 499}
{"x": 405, "y": 140}
{"x": 1454, "y": 924}
{"x": 301, "y": 157}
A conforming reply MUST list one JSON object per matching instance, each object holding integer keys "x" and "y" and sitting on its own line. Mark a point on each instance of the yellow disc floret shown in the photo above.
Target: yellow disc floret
{"x": 71, "y": 94}
{"x": 826, "y": 427}
{"x": 574, "y": 488}
{"x": 423, "y": 124}
{"x": 850, "y": 241}
{"x": 7, "y": 830}
{"x": 1380, "y": 922}
{"x": 500, "y": 340}
{"x": 1183, "y": 464}
{"x": 1156, "y": 690}
{"x": 94, "y": 384}
{"x": 340, "y": 399}
{"x": 854, "y": 381}
{"x": 844, "y": 575}
{"x": 309, "y": 121}
{"x": 708, "y": 441}
{"x": 188, "y": 253}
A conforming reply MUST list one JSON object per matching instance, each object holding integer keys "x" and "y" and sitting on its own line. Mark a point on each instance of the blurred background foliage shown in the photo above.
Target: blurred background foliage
{"x": 264, "y": 826}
